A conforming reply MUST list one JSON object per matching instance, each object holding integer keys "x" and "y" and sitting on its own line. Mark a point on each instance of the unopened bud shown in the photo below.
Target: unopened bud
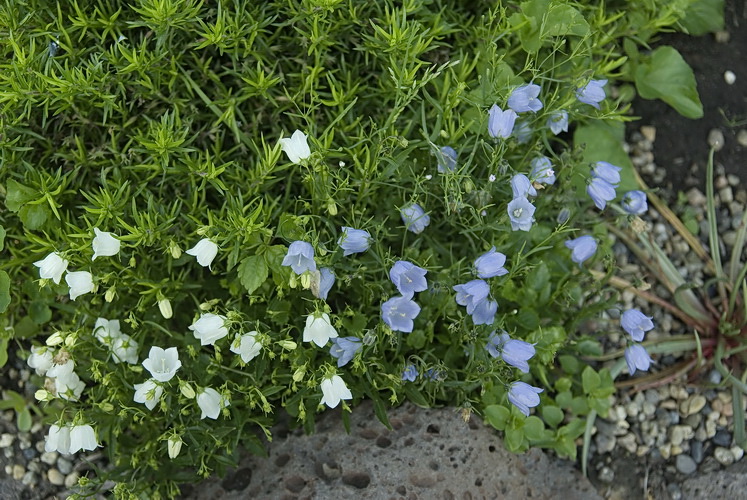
{"x": 164, "y": 305}
{"x": 133, "y": 262}
{"x": 110, "y": 293}
{"x": 332, "y": 207}
{"x": 288, "y": 344}
{"x": 174, "y": 250}
{"x": 306, "y": 280}
{"x": 43, "y": 395}
{"x": 298, "y": 374}
{"x": 174, "y": 445}
{"x": 55, "y": 339}
{"x": 186, "y": 390}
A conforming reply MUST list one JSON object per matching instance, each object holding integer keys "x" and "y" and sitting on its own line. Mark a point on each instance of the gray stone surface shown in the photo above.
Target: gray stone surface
{"x": 730, "y": 483}
{"x": 429, "y": 454}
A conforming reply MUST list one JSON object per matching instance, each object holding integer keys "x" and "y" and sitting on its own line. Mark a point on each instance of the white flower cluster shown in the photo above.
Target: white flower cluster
{"x": 59, "y": 369}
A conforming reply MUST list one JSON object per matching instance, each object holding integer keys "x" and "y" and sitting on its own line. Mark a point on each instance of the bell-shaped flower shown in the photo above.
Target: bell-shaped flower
{"x": 354, "y": 240}
{"x": 600, "y": 192}
{"x": 501, "y": 123}
{"x": 447, "y": 159}
{"x": 41, "y": 359}
{"x": 558, "y": 122}
{"x": 484, "y": 312}
{"x": 408, "y": 278}
{"x": 495, "y": 342}
{"x": 124, "y": 349}
{"x": 582, "y": 248}
{"x": 521, "y": 214}
{"x": 319, "y": 329}
{"x": 52, "y": 267}
{"x": 162, "y": 363}
{"x": 300, "y": 257}
{"x": 415, "y": 218}
{"x": 516, "y": 353}
{"x": 542, "y": 170}
{"x": 209, "y": 328}
{"x": 637, "y": 358}
{"x": 490, "y": 264}
{"x": 344, "y": 348}
{"x": 334, "y": 390}
{"x": 524, "y": 98}
{"x": 80, "y": 283}
{"x": 104, "y": 244}
{"x": 322, "y": 282}
{"x": 470, "y": 294}
{"x": 524, "y": 396}
{"x": 58, "y": 439}
{"x": 211, "y": 402}
{"x": 205, "y": 251}
{"x": 82, "y": 437}
{"x": 107, "y": 330}
{"x": 148, "y": 393}
{"x": 606, "y": 171}
{"x": 522, "y": 131}
{"x": 636, "y": 324}
{"x": 410, "y": 373}
{"x": 247, "y": 346}
{"x": 522, "y": 187}
{"x": 592, "y": 93}
{"x": 67, "y": 383}
{"x": 174, "y": 446}
{"x": 399, "y": 312}
{"x": 297, "y": 147}
{"x": 634, "y": 202}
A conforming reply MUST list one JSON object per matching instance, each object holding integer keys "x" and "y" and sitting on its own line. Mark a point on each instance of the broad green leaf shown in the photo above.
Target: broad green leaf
{"x": 292, "y": 227}
{"x": 552, "y": 415}
{"x": 534, "y": 428}
{"x": 415, "y": 396}
{"x": 25, "y": 328}
{"x": 4, "y": 291}
{"x": 514, "y": 438}
{"x": 18, "y": 195}
{"x": 23, "y": 419}
{"x": 563, "y": 20}
{"x": 570, "y": 364}
{"x": 603, "y": 141}
{"x": 497, "y": 416}
{"x": 34, "y": 216}
{"x": 253, "y": 272}
{"x": 579, "y": 406}
{"x": 590, "y": 380}
{"x": 564, "y": 399}
{"x": 39, "y": 312}
{"x": 665, "y": 75}
{"x": 703, "y": 16}
{"x": 599, "y": 405}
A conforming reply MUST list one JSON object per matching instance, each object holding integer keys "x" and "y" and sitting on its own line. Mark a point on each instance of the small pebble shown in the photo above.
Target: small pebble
{"x": 649, "y": 132}
{"x": 6, "y": 440}
{"x": 723, "y": 455}
{"x": 742, "y": 138}
{"x": 685, "y": 464}
{"x": 606, "y": 475}
{"x": 18, "y": 471}
{"x": 730, "y": 77}
{"x": 722, "y": 438}
{"x": 49, "y": 457}
{"x": 29, "y": 479}
{"x": 722, "y": 36}
{"x": 692, "y": 405}
{"x": 71, "y": 480}
{"x": 716, "y": 139}
{"x": 65, "y": 465}
{"x": 696, "y": 451}
{"x": 737, "y": 452}
{"x": 55, "y": 477}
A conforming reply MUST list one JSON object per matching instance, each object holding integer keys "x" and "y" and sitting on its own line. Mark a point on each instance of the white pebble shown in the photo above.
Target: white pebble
{"x": 6, "y": 440}
{"x": 737, "y": 452}
{"x": 55, "y": 477}
{"x": 716, "y": 139}
{"x": 723, "y": 456}
{"x": 730, "y": 77}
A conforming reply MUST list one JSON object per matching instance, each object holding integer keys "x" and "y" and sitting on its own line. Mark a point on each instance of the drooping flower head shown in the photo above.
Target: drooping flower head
{"x": 124, "y": 349}
{"x": 542, "y": 171}
{"x": 209, "y": 328}
{"x": 344, "y": 348}
{"x": 521, "y": 214}
{"x": 600, "y": 192}
{"x": 634, "y": 202}
{"x": 204, "y": 251}
{"x": 58, "y": 439}
{"x": 637, "y": 358}
{"x": 484, "y": 312}
{"x": 297, "y": 147}
{"x": 334, "y": 390}
{"x": 399, "y": 312}
{"x": 319, "y": 329}
{"x": 522, "y": 187}
{"x": 582, "y": 248}
{"x": 636, "y": 324}
{"x": 322, "y": 282}
{"x": 410, "y": 373}
{"x": 354, "y": 240}
{"x": 522, "y": 131}
{"x": 501, "y": 123}
{"x": 104, "y": 244}
{"x": 162, "y": 363}
{"x": 607, "y": 171}
{"x": 211, "y": 402}
{"x": 470, "y": 294}
{"x": 247, "y": 346}
{"x": 592, "y": 93}
{"x": 490, "y": 264}
{"x": 41, "y": 359}
{"x": 558, "y": 122}
{"x": 447, "y": 158}
{"x": 516, "y": 353}
{"x": 80, "y": 283}
{"x": 148, "y": 393}
{"x": 82, "y": 437}
{"x": 107, "y": 330}
{"x": 523, "y": 396}
{"x": 414, "y": 218}
{"x": 525, "y": 98}
{"x": 408, "y": 278}
{"x": 52, "y": 267}
{"x": 300, "y": 257}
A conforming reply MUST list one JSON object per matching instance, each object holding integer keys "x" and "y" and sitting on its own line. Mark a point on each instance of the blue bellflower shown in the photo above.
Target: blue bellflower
{"x": 542, "y": 170}
{"x": 521, "y": 186}
{"x": 636, "y": 324}
{"x": 344, "y": 348}
{"x": 495, "y": 342}
{"x": 501, "y": 123}
{"x": 607, "y": 171}
{"x": 408, "y": 278}
{"x": 637, "y": 358}
{"x": 521, "y": 213}
{"x": 300, "y": 257}
{"x": 447, "y": 158}
{"x": 484, "y": 312}
{"x": 354, "y": 240}
{"x": 490, "y": 264}
{"x": 399, "y": 312}
{"x": 524, "y": 396}
{"x": 410, "y": 373}
{"x": 326, "y": 282}
{"x": 415, "y": 218}
{"x": 470, "y": 294}
{"x": 524, "y": 98}
{"x": 513, "y": 351}
{"x": 592, "y": 93}
{"x": 582, "y": 248}
{"x": 634, "y": 202}
{"x": 558, "y": 122}
{"x": 600, "y": 192}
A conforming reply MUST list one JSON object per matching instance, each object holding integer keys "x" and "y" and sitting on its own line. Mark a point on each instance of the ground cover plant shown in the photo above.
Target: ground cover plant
{"x": 216, "y": 212}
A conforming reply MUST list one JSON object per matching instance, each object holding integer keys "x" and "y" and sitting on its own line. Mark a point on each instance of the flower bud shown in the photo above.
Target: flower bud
{"x": 288, "y": 344}
{"x": 110, "y": 293}
{"x": 164, "y": 305}
{"x": 70, "y": 340}
{"x": 306, "y": 280}
{"x": 133, "y": 262}
{"x": 298, "y": 374}
{"x": 331, "y": 207}
{"x": 186, "y": 389}
{"x": 55, "y": 339}
{"x": 174, "y": 249}
{"x": 43, "y": 395}
{"x": 106, "y": 407}
{"x": 174, "y": 445}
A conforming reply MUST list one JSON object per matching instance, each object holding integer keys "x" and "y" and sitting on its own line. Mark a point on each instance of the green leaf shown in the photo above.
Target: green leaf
{"x": 534, "y": 428}
{"x": 665, "y": 75}
{"x": 18, "y": 195}
{"x": 497, "y": 416}
{"x": 4, "y": 291}
{"x": 514, "y": 439}
{"x": 703, "y": 16}
{"x": 23, "y": 419}
{"x": 34, "y": 216}
{"x": 253, "y": 272}
{"x": 2, "y": 238}
{"x": 603, "y": 141}
{"x": 3, "y": 352}
{"x": 552, "y": 415}
{"x": 569, "y": 364}
{"x": 579, "y": 406}
{"x": 599, "y": 405}
{"x": 380, "y": 411}
{"x": 590, "y": 380}
{"x": 415, "y": 396}
{"x": 292, "y": 227}
{"x": 25, "y": 328}
{"x": 39, "y": 312}
{"x": 563, "y": 20}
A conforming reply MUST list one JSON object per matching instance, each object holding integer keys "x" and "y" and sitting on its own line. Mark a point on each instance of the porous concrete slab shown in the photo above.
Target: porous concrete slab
{"x": 429, "y": 454}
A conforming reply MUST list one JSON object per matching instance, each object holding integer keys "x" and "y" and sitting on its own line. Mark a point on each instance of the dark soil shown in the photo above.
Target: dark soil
{"x": 681, "y": 145}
